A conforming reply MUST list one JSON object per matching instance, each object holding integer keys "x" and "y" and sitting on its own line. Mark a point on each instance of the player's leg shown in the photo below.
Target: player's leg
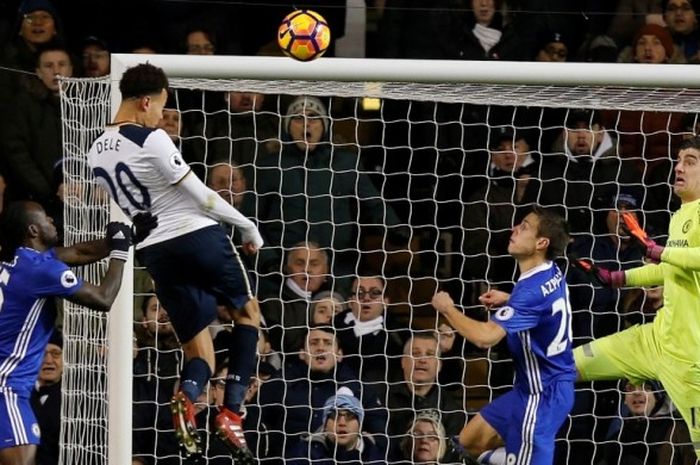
{"x": 682, "y": 384}
{"x": 630, "y": 354}
{"x": 478, "y": 437}
{"x": 232, "y": 289}
{"x": 18, "y": 455}
{"x": 19, "y": 430}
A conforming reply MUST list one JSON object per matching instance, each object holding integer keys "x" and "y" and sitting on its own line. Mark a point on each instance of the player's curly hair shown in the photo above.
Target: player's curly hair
{"x": 14, "y": 221}
{"x": 555, "y": 228}
{"x": 142, "y": 80}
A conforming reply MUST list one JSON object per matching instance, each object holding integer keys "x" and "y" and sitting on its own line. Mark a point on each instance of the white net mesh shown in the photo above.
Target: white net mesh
{"x": 425, "y": 152}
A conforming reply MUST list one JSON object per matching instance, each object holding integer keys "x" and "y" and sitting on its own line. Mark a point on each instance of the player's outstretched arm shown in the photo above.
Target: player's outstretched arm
{"x": 652, "y": 250}
{"x": 598, "y": 275}
{"x": 214, "y": 206}
{"x": 83, "y": 253}
{"x": 102, "y": 297}
{"x": 483, "y": 334}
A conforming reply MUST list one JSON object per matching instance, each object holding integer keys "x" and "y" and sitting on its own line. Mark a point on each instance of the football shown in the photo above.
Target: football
{"x": 304, "y": 35}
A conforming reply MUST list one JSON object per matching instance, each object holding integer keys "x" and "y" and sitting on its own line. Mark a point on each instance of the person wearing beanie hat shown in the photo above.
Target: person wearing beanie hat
{"x": 340, "y": 438}
{"x": 38, "y": 22}
{"x": 343, "y": 400}
{"x": 646, "y": 431}
{"x": 426, "y": 439}
{"x": 306, "y": 121}
{"x": 552, "y": 47}
{"x": 318, "y": 191}
{"x": 653, "y": 44}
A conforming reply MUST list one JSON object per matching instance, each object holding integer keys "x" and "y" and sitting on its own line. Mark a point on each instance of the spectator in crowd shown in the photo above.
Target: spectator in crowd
{"x": 229, "y": 181}
{"x": 419, "y": 390}
{"x": 552, "y": 47}
{"x": 46, "y": 401}
{"x": 681, "y": 19}
{"x": 32, "y": 138}
{"x": 585, "y": 167}
{"x": 652, "y": 44}
{"x": 156, "y": 366}
{"x": 287, "y": 310}
{"x": 292, "y": 401}
{"x": 243, "y": 131}
{"x": 482, "y": 31}
{"x": 512, "y": 181}
{"x": 405, "y": 24}
{"x": 340, "y": 439}
{"x": 315, "y": 191}
{"x": 426, "y": 441}
{"x": 597, "y": 310}
{"x": 200, "y": 41}
{"x": 326, "y": 305}
{"x": 159, "y": 355}
{"x": 38, "y": 24}
{"x": 647, "y": 433}
{"x": 632, "y": 15}
{"x": 368, "y": 334}
{"x": 96, "y": 58}
{"x": 601, "y": 49}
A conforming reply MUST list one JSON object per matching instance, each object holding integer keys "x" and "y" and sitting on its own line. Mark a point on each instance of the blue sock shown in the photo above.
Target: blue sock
{"x": 194, "y": 377}
{"x": 241, "y": 365}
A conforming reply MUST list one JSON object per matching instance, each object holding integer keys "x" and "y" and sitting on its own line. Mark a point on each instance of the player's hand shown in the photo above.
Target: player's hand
{"x": 494, "y": 298}
{"x": 652, "y": 250}
{"x": 600, "y": 276}
{"x": 442, "y": 302}
{"x": 249, "y": 248}
{"x": 118, "y": 236}
{"x": 143, "y": 224}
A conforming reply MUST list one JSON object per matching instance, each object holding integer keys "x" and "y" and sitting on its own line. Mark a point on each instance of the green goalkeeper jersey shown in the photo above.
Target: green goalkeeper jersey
{"x": 677, "y": 324}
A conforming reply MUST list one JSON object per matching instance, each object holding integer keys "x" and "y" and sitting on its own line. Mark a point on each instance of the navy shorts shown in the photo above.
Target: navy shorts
{"x": 193, "y": 274}
{"x": 18, "y": 425}
{"x": 528, "y": 423}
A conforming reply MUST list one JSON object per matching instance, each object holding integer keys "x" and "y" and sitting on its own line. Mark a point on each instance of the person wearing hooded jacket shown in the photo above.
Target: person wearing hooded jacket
{"x": 315, "y": 191}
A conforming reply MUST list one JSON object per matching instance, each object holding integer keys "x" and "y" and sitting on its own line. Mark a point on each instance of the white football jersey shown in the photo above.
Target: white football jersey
{"x": 140, "y": 168}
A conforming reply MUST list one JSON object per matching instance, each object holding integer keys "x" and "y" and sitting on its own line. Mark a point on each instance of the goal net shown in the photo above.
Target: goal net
{"x": 421, "y": 171}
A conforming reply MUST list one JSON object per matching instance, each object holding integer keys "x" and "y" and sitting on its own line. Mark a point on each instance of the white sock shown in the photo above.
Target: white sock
{"x": 493, "y": 457}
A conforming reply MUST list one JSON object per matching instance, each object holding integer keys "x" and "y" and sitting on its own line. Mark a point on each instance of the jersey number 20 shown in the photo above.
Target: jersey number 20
{"x": 121, "y": 170}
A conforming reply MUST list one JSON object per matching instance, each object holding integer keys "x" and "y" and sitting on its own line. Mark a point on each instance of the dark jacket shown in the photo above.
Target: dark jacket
{"x": 46, "y": 404}
{"x": 315, "y": 449}
{"x": 320, "y": 196}
{"x": 292, "y": 402}
{"x": 32, "y": 144}
{"x": 403, "y": 405}
{"x": 376, "y": 356}
{"x": 287, "y": 319}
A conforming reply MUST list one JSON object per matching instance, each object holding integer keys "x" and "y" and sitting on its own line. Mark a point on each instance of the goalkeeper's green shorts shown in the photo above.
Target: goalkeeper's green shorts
{"x": 635, "y": 354}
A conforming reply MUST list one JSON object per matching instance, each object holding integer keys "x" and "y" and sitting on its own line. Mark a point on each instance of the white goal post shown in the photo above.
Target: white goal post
{"x": 550, "y": 85}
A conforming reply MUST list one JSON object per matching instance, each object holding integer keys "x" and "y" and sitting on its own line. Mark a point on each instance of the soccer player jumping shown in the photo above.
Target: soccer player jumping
{"x": 536, "y": 322}
{"x": 188, "y": 254}
{"x": 667, "y": 349}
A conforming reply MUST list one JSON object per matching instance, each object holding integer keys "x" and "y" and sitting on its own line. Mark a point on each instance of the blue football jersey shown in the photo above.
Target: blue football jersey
{"x": 28, "y": 286}
{"x": 537, "y": 320}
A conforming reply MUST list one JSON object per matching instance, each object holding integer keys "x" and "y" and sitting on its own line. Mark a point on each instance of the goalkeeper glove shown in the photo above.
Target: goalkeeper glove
{"x": 600, "y": 276}
{"x": 143, "y": 224}
{"x": 652, "y": 250}
{"x": 119, "y": 240}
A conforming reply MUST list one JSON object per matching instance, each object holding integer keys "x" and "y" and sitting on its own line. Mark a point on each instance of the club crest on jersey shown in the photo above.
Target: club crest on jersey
{"x": 687, "y": 225}
{"x": 176, "y": 161}
{"x": 68, "y": 279}
{"x": 505, "y": 313}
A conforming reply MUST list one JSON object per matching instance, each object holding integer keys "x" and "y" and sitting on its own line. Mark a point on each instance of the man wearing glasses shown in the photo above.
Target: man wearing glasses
{"x": 370, "y": 338}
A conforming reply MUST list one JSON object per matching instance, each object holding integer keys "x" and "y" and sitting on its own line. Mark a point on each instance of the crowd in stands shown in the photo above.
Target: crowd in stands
{"x": 351, "y": 367}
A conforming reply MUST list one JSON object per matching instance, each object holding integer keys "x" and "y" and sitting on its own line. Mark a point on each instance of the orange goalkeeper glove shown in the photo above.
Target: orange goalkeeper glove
{"x": 601, "y": 276}
{"x": 652, "y": 250}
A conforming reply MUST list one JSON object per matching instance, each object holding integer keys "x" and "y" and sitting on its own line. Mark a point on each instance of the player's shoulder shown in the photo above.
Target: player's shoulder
{"x": 28, "y": 258}
{"x": 140, "y": 134}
